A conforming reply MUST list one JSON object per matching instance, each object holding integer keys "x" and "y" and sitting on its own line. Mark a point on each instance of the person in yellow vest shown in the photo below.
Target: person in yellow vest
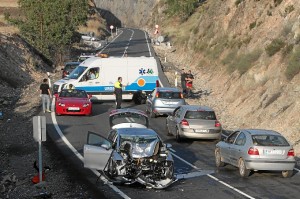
{"x": 118, "y": 92}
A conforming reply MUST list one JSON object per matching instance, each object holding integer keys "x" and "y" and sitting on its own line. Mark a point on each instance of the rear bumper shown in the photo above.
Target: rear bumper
{"x": 163, "y": 111}
{"x": 275, "y": 165}
{"x": 65, "y": 111}
{"x": 213, "y": 136}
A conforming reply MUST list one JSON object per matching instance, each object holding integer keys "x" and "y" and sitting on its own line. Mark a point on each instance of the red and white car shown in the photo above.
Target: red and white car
{"x": 73, "y": 102}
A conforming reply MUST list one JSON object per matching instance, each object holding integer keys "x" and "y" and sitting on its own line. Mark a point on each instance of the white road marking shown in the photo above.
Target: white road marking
{"x": 193, "y": 174}
{"x": 214, "y": 178}
{"x": 148, "y": 44}
{"x": 297, "y": 169}
{"x": 172, "y": 150}
{"x": 110, "y": 42}
{"x": 125, "y": 51}
{"x": 79, "y": 156}
{"x": 186, "y": 162}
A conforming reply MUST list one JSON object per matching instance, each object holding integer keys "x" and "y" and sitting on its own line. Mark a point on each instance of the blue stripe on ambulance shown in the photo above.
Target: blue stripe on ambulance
{"x": 149, "y": 85}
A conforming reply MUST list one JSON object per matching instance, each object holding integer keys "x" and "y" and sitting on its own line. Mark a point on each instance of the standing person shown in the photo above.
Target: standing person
{"x": 183, "y": 83}
{"x": 45, "y": 94}
{"x": 189, "y": 83}
{"x": 118, "y": 92}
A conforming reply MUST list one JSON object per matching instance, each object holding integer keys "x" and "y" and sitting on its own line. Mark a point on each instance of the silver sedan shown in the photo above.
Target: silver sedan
{"x": 193, "y": 121}
{"x": 256, "y": 149}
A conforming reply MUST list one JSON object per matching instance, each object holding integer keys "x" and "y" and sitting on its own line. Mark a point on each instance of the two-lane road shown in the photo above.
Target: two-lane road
{"x": 194, "y": 160}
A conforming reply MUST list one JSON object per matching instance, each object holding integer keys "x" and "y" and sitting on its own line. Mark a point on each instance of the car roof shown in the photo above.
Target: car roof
{"x": 136, "y": 131}
{"x": 126, "y": 110}
{"x": 170, "y": 89}
{"x": 196, "y": 108}
{"x": 260, "y": 132}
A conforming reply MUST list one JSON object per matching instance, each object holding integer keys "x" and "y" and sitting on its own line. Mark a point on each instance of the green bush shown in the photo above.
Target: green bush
{"x": 244, "y": 62}
{"x": 230, "y": 57}
{"x": 237, "y": 2}
{"x": 293, "y": 67}
{"x": 287, "y": 49}
{"x": 289, "y": 9}
{"x": 252, "y": 25}
{"x": 274, "y": 47}
{"x": 277, "y": 2}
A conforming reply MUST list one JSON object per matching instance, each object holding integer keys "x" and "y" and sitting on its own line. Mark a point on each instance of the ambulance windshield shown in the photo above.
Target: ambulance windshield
{"x": 76, "y": 73}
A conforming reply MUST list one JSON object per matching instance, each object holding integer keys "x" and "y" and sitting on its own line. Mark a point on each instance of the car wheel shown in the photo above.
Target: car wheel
{"x": 219, "y": 162}
{"x": 287, "y": 174}
{"x": 111, "y": 170}
{"x": 151, "y": 114}
{"x": 167, "y": 129}
{"x": 244, "y": 172}
{"x": 177, "y": 136}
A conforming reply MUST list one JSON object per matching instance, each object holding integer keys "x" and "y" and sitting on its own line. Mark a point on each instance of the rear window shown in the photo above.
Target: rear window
{"x": 269, "y": 140}
{"x": 204, "y": 115}
{"x": 169, "y": 95}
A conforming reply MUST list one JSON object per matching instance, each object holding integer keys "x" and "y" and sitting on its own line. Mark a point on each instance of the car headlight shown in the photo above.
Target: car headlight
{"x": 61, "y": 104}
{"x": 85, "y": 105}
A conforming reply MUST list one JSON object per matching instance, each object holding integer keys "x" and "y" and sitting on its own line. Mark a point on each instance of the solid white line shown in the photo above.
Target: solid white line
{"x": 172, "y": 150}
{"x": 192, "y": 174}
{"x": 297, "y": 169}
{"x": 214, "y": 178}
{"x": 185, "y": 161}
{"x": 79, "y": 156}
{"x": 148, "y": 44}
{"x": 110, "y": 42}
{"x": 229, "y": 186}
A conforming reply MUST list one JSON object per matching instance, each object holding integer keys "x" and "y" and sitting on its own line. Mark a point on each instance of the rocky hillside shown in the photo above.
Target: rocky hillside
{"x": 247, "y": 54}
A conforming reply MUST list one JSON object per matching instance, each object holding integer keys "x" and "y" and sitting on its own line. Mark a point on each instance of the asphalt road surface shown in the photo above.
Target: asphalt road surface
{"x": 194, "y": 159}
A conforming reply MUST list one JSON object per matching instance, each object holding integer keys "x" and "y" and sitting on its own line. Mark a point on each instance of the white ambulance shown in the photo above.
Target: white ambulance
{"x": 97, "y": 76}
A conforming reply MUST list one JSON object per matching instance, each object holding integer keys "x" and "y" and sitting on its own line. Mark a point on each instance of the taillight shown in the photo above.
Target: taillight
{"x": 184, "y": 123}
{"x": 217, "y": 124}
{"x": 291, "y": 153}
{"x": 253, "y": 151}
{"x": 181, "y": 96}
{"x": 157, "y": 83}
{"x": 157, "y": 94}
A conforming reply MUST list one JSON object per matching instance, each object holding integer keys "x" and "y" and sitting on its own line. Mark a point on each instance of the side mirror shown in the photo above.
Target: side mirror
{"x": 56, "y": 95}
{"x": 105, "y": 146}
{"x": 90, "y": 96}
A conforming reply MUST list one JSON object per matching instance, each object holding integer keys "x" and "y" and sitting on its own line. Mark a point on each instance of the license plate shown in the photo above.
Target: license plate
{"x": 273, "y": 152}
{"x": 202, "y": 131}
{"x": 170, "y": 102}
{"x": 74, "y": 108}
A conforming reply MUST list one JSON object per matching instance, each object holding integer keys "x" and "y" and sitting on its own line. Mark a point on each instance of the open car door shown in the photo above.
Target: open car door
{"x": 97, "y": 151}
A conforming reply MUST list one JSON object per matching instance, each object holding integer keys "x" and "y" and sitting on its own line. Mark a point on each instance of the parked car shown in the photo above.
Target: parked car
{"x": 131, "y": 153}
{"x": 73, "y": 102}
{"x": 254, "y": 150}
{"x": 163, "y": 101}
{"x": 128, "y": 117}
{"x": 193, "y": 121}
{"x": 68, "y": 68}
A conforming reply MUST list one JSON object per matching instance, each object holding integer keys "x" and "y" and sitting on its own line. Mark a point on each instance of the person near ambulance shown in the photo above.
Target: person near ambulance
{"x": 118, "y": 92}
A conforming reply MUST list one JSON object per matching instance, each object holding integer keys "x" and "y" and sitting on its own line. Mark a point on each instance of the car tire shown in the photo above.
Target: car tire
{"x": 167, "y": 129}
{"x": 287, "y": 174}
{"x": 177, "y": 136}
{"x": 151, "y": 114}
{"x": 218, "y": 158}
{"x": 244, "y": 172}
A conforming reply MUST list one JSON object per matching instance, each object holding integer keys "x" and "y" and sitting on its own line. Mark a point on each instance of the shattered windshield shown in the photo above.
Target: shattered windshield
{"x": 128, "y": 117}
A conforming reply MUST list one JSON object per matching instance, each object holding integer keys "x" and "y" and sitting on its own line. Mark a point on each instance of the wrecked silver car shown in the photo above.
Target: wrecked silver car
{"x": 131, "y": 155}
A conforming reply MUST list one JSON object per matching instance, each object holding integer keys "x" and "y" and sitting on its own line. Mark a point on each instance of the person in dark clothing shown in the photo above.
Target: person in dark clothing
{"x": 183, "y": 83}
{"x": 118, "y": 92}
{"x": 45, "y": 95}
{"x": 189, "y": 83}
